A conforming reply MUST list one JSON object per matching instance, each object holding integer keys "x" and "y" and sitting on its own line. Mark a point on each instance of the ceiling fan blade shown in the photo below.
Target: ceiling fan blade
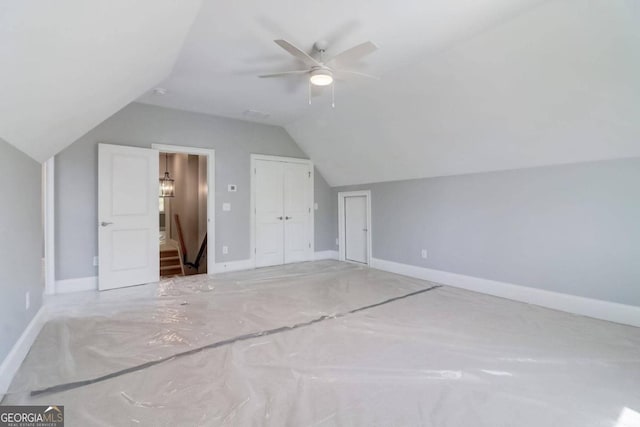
{"x": 298, "y": 53}
{"x": 357, "y": 73}
{"x": 283, "y": 73}
{"x": 355, "y": 53}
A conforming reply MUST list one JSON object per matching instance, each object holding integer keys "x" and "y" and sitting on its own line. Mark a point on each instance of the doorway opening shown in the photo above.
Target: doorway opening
{"x": 185, "y": 212}
{"x": 354, "y": 233}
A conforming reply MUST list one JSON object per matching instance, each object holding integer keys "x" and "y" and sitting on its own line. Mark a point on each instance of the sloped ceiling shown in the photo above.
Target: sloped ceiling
{"x": 231, "y": 43}
{"x": 67, "y": 65}
{"x": 467, "y": 86}
{"x": 557, "y": 84}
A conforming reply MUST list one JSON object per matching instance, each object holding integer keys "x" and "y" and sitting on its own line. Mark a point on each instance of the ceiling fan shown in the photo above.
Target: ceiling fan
{"x": 322, "y": 72}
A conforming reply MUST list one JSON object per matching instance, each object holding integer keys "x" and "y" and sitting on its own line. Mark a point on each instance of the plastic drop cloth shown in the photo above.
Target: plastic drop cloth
{"x": 443, "y": 357}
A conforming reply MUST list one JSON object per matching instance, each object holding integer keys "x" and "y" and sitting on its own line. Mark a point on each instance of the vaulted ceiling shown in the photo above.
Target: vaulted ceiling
{"x": 557, "y": 84}
{"x": 67, "y": 65}
{"x": 231, "y": 43}
{"x": 467, "y": 85}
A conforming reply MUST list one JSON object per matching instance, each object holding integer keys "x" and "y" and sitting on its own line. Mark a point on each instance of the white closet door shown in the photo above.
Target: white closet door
{"x": 128, "y": 243}
{"x": 355, "y": 211}
{"x": 297, "y": 211}
{"x": 269, "y": 213}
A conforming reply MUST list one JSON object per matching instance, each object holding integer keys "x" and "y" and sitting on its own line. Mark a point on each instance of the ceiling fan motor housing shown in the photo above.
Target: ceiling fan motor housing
{"x": 321, "y": 45}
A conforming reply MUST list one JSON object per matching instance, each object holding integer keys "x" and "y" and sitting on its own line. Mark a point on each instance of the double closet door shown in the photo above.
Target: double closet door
{"x": 283, "y": 222}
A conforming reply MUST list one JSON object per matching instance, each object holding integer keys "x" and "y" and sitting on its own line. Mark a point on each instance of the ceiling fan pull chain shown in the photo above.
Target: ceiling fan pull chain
{"x": 333, "y": 95}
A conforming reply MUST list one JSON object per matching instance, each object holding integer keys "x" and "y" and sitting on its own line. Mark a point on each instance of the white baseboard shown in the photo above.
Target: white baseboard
{"x": 91, "y": 283}
{"x": 605, "y": 310}
{"x": 12, "y": 362}
{"x": 77, "y": 285}
{"x": 223, "y": 267}
{"x": 247, "y": 264}
{"x": 325, "y": 255}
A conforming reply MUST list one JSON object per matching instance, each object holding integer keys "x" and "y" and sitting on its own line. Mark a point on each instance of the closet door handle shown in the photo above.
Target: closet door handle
{"x": 288, "y": 217}
{"x": 280, "y": 218}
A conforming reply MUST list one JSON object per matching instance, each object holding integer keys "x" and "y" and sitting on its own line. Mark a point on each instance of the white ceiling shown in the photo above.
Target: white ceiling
{"x": 467, "y": 85}
{"x": 67, "y": 65}
{"x": 557, "y": 84}
{"x": 231, "y": 43}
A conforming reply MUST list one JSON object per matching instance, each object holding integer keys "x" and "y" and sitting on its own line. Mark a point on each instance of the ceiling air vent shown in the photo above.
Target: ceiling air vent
{"x": 255, "y": 114}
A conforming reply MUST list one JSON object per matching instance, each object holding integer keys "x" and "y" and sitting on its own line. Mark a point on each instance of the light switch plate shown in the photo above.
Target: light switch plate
{"x": 232, "y": 188}
{"x": 226, "y": 207}
{"x": 315, "y": 206}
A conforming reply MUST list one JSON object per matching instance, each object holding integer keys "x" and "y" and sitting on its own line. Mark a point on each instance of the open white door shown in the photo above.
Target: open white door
{"x": 128, "y": 217}
{"x": 354, "y": 226}
{"x": 355, "y": 209}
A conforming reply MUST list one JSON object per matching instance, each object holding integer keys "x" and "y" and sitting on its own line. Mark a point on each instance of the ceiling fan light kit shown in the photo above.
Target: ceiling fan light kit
{"x": 320, "y": 72}
{"x": 321, "y": 77}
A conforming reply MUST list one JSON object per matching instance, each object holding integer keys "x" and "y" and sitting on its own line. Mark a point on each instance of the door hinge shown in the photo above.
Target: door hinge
{"x": 309, "y": 245}
{"x": 254, "y": 171}
{"x": 309, "y": 174}
{"x": 255, "y": 251}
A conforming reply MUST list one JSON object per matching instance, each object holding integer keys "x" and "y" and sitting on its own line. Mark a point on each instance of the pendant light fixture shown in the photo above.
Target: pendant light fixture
{"x": 166, "y": 183}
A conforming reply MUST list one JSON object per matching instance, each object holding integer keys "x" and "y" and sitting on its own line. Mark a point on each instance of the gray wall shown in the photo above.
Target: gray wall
{"x": 141, "y": 125}
{"x": 326, "y": 217}
{"x": 21, "y": 243}
{"x": 573, "y": 229}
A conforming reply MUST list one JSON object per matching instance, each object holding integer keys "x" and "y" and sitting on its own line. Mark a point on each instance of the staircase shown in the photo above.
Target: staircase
{"x": 170, "y": 261}
{"x": 193, "y": 267}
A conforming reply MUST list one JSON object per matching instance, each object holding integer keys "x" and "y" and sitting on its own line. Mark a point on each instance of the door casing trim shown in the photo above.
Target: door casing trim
{"x": 211, "y": 193}
{"x": 252, "y": 219}
{"x": 341, "y": 223}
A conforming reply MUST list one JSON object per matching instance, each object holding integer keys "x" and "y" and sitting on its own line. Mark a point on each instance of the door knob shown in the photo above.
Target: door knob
{"x": 288, "y": 217}
{"x": 280, "y": 218}
{"x": 364, "y": 229}
{"x": 104, "y": 224}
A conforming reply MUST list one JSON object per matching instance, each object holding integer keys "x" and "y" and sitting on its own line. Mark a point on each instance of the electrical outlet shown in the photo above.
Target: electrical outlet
{"x": 225, "y": 250}
{"x": 27, "y": 300}
{"x": 424, "y": 254}
{"x": 95, "y": 261}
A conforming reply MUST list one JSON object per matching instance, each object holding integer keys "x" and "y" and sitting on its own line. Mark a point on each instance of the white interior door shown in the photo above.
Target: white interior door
{"x": 128, "y": 230}
{"x": 355, "y": 211}
{"x": 297, "y": 211}
{"x": 269, "y": 213}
